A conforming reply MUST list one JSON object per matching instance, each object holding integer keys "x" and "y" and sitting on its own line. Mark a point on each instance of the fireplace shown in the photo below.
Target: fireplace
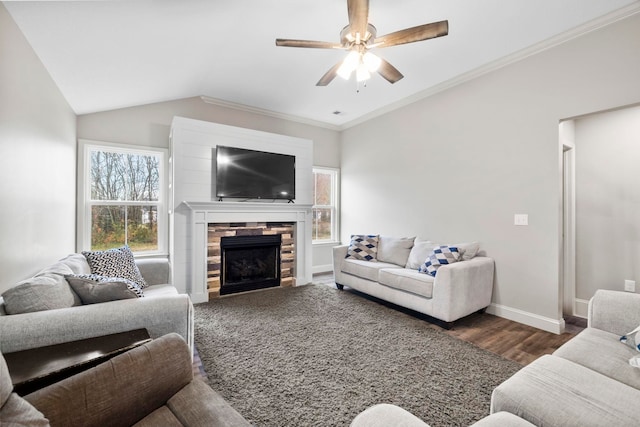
{"x": 249, "y": 262}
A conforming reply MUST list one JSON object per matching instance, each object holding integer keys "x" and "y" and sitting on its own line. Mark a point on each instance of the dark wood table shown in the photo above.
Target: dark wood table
{"x": 39, "y": 367}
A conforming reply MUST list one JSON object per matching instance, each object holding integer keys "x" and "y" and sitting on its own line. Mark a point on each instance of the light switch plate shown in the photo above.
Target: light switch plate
{"x": 630, "y": 285}
{"x": 521, "y": 219}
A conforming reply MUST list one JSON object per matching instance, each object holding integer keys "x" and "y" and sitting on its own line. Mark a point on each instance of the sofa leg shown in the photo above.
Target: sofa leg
{"x": 339, "y": 286}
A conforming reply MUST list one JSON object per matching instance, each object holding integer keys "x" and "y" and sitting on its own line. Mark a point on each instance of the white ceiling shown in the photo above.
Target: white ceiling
{"x": 105, "y": 55}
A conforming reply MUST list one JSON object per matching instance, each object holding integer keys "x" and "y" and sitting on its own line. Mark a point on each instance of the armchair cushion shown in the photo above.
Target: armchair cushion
{"x": 44, "y": 292}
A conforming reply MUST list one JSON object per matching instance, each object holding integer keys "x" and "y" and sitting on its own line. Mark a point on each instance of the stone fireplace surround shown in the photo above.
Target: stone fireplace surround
{"x": 216, "y": 232}
{"x": 203, "y": 214}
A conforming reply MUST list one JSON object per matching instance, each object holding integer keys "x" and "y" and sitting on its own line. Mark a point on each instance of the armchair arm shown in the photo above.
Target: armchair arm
{"x": 159, "y": 315}
{"x": 155, "y": 271}
{"x": 120, "y": 391}
{"x": 462, "y": 288}
{"x": 614, "y": 311}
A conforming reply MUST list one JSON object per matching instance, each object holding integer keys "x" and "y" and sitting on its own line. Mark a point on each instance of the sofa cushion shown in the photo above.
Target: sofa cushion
{"x": 407, "y": 280}
{"x": 422, "y": 248}
{"x": 363, "y": 247}
{"x": 365, "y": 269}
{"x": 394, "y": 249}
{"x": 553, "y": 391}
{"x": 442, "y": 255}
{"x": 419, "y": 253}
{"x": 47, "y": 291}
{"x": 94, "y": 289}
{"x": 117, "y": 262}
{"x": 602, "y": 352}
{"x": 632, "y": 339}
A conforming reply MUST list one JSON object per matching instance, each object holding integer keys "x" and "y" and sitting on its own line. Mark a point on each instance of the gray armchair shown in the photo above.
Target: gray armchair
{"x": 151, "y": 385}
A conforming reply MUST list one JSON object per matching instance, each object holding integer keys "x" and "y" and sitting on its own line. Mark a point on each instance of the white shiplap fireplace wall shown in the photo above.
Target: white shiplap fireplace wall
{"x": 193, "y": 203}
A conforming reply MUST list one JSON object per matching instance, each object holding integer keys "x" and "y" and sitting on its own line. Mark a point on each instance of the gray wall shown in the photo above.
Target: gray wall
{"x": 465, "y": 160}
{"x": 37, "y": 162}
{"x": 607, "y": 200}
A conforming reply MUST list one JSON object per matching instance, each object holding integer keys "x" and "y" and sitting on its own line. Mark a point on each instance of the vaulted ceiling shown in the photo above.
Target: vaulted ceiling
{"x": 105, "y": 55}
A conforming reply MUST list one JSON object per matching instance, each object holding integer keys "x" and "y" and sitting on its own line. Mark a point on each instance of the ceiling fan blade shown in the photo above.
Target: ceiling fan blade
{"x": 358, "y": 16}
{"x": 329, "y": 75}
{"x": 413, "y": 34}
{"x": 307, "y": 43}
{"x": 389, "y": 72}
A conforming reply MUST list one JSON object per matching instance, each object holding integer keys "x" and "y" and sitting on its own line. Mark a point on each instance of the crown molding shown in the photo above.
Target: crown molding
{"x": 576, "y": 32}
{"x": 269, "y": 113}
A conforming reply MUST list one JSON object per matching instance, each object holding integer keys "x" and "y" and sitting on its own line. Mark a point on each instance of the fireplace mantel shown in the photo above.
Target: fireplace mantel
{"x": 201, "y": 214}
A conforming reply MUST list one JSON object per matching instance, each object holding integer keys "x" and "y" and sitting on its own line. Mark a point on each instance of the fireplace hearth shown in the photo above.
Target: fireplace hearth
{"x": 249, "y": 263}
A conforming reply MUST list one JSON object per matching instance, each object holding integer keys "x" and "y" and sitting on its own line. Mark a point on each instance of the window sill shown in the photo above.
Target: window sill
{"x": 326, "y": 243}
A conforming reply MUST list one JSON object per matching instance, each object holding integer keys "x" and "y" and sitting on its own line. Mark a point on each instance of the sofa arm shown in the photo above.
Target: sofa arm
{"x": 614, "y": 311}
{"x": 159, "y": 315}
{"x": 122, "y": 390}
{"x": 462, "y": 288}
{"x": 339, "y": 254}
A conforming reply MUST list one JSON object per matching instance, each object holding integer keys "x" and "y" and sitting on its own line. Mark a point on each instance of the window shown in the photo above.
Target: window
{"x": 325, "y": 205}
{"x": 122, "y": 198}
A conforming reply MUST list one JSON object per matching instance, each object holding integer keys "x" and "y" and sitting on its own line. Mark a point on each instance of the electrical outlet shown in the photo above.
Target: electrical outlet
{"x": 521, "y": 219}
{"x": 630, "y": 285}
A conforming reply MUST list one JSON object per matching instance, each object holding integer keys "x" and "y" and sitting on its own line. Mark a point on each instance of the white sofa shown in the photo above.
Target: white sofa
{"x": 457, "y": 290}
{"x": 162, "y": 310}
{"x": 588, "y": 381}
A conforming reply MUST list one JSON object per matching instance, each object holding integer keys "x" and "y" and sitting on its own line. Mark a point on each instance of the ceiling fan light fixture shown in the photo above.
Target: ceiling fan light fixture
{"x": 362, "y": 73}
{"x": 371, "y": 61}
{"x": 349, "y": 64}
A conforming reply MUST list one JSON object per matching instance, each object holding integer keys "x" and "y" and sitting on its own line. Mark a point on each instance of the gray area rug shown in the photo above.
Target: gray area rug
{"x": 316, "y": 356}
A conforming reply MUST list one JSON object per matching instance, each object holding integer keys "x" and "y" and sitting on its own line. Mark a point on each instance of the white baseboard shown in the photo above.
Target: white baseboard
{"x": 327, "y": 268}
{"x": 581, "y": 307}
{"x": 545, "y": 323}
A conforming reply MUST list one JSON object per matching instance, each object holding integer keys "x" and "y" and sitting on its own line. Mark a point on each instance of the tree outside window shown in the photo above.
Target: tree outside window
{"x": 324, "y": 205}
{"x": 125, "y": 200}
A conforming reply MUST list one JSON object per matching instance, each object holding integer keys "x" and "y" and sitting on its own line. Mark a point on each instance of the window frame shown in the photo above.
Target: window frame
{"x": 335, "y": 206}
{"x": 85, "y": 203}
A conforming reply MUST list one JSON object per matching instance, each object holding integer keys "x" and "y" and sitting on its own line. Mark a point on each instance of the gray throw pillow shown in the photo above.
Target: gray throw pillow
{"x": 94, "y": 289}
{"x": 43, "y": 292}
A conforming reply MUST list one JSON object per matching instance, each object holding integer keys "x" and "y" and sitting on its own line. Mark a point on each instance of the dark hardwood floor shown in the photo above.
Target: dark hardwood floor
{"x": 512, "y": 340}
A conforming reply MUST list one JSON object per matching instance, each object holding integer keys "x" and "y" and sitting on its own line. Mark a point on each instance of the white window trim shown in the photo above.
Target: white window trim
{"x": 83, "y": 234}
{"x": 336, "y": 207}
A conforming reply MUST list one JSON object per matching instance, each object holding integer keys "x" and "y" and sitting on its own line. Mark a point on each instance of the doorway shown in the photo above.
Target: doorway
{"x": 567, "y": 289}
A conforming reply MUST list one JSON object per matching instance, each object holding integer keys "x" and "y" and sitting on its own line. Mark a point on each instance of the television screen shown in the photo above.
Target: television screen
{"x": 249, "y": 174}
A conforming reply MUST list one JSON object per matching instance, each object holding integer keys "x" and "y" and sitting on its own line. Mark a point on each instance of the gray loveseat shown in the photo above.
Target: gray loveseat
{"x": 151, "y": 385}
{"x": 588, "y": 381}
{"x": 457, "y": 290}
{"x": 61, "y": 316}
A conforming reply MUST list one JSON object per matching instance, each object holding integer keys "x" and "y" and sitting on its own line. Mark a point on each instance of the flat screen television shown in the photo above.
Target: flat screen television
{"x": 250, "y": 174}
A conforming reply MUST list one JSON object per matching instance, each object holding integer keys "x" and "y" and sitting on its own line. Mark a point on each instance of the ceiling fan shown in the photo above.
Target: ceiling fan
{"x": 359, "y": 37}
